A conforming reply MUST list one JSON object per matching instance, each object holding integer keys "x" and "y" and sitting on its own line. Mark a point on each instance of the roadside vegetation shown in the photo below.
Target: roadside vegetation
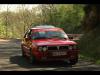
{"x": 90, "y": 42}
{"x": 66, "y": 16}
{"x": 73, "y": 18}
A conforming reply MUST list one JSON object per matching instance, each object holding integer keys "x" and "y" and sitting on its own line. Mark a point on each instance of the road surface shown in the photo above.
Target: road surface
{"x": 11, "y": 60}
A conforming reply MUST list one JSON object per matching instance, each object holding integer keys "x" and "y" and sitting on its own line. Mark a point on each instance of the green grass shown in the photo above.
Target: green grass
{"x": 97, "y": 62}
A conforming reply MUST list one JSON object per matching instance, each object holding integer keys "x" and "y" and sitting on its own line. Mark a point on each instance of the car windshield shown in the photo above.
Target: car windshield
{"x": 49, "y": 35}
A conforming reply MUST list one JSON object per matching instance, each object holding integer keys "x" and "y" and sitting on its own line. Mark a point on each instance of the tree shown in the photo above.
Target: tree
{"x": 6, "y": 21}
{"x": 92, "y": 18}
{"x": 66, "y": 16}
{"x": 90, "y": 41}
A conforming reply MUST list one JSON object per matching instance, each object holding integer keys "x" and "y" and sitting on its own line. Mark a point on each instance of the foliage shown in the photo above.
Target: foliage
{"x": 66, "y": 16}
{"x": 90, "y": 42}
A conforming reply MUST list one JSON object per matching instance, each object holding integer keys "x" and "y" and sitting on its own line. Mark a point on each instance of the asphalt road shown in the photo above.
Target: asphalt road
{"x": 11, "y": 60}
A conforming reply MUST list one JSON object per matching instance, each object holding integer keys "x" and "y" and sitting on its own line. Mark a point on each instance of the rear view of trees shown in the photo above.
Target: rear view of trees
{"x": 66, "y": 16}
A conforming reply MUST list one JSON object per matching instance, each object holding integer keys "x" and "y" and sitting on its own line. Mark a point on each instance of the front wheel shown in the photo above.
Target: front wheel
{"x": 73, "y": 61}
{"x": 32, "y": 58}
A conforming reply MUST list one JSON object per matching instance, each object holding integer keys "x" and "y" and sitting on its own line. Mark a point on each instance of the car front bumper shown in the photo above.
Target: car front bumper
{"x": 71, "y": 54}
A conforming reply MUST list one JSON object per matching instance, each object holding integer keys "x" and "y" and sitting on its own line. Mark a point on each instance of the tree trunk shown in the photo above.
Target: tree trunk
{"x": 92, "y": 17}
{"x": 6, "y": 20}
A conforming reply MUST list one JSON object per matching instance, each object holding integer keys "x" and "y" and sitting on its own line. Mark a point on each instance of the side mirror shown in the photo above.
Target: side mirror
{"x": 27, "y": 38}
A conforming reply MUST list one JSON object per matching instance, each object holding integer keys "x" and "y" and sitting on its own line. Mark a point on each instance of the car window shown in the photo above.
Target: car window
{"x": 34, "y": 35}
{"x": 37, "y": 35}
{"x": 49, "y": 34}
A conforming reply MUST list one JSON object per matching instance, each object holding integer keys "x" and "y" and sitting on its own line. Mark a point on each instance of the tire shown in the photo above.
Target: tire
{"x": 73, "y": 61}
{"x": 32, "y": 58}
{"x": 23, "y": 53}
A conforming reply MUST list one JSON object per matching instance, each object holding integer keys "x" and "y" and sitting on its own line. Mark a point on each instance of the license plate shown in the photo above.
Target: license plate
{"x": 58, "y": 53}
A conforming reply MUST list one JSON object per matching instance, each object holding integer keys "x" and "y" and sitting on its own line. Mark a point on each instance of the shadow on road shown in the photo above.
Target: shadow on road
{"x": 22, "y": 62}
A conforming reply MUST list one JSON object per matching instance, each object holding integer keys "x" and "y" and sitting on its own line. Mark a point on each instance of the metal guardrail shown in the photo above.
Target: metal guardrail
{"x": 75, "y": 36}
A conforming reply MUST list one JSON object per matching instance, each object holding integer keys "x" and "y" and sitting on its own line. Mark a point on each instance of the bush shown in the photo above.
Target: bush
{"x": 90, "y": 45}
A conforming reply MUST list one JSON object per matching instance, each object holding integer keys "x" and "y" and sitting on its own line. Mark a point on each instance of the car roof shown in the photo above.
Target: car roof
{"x": 45, "y": 26}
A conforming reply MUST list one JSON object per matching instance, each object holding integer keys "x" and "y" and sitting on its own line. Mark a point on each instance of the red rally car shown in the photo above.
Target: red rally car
{"x": 49, "y": 43}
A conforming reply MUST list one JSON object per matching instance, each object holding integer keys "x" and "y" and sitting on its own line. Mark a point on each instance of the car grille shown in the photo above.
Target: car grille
{"x": 57, "y": 48}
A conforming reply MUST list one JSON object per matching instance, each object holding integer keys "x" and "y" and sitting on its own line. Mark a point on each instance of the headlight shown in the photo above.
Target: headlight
{"x": 40, "y": 48}
{"x": 44, "y": 48}
{"x": 70, "y": 47}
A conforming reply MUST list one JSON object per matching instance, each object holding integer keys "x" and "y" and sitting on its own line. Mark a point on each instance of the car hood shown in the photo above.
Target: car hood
{"x": 52, "y": 42}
